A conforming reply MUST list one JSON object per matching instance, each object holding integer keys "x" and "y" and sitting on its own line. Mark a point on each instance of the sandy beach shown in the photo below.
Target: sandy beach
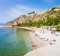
{"x": 48, "y": 44}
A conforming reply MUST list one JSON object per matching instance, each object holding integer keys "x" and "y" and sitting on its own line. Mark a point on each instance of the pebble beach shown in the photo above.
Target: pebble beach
{"x": 48, "y": 43}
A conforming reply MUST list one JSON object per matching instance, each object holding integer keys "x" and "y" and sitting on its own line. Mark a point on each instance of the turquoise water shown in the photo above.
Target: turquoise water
{"x": 14, "y": 42}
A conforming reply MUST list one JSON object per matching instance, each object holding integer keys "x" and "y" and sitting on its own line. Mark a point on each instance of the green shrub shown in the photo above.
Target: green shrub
{"x": 58, "y": 28}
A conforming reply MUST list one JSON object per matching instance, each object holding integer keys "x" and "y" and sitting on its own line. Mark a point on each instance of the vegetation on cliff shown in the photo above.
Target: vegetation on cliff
{"x": 49, "y": 17}
{"x": 48, "y": 22}
{"x": 58, "y": 28}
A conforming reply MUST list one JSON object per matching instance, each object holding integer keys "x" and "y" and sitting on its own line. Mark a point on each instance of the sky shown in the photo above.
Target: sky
{"x": 11, "y": 9}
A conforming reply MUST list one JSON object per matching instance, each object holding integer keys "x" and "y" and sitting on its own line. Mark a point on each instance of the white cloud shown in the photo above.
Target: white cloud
{"x": 20, "y": 9}
{"x": 14, "y": 12}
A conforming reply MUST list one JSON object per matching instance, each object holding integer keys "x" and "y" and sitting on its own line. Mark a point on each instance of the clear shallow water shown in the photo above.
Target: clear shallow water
{"x": 14, "y": 42}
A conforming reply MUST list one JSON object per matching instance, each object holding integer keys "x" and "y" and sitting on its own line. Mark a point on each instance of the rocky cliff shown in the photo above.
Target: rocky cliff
{"x": 35, "y": 16}
{"x": 9, "y": 24}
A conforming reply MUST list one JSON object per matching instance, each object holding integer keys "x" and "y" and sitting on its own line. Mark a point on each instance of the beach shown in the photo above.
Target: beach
{"x": 48, "y": 44}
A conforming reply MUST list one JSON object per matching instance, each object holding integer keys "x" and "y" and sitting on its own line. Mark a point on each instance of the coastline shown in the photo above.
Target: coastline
{"x": 27, "y": 28}
{"x": 43, "y": 47}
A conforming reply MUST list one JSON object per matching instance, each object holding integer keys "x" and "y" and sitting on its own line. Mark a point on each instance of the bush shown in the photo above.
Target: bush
{"x": 58, "y": 28}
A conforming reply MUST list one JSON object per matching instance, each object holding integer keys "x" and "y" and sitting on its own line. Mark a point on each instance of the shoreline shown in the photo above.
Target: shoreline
{"x": 47, "y": 49}
{"x": 42, "y": 46}
{"x": 27, "y": 28}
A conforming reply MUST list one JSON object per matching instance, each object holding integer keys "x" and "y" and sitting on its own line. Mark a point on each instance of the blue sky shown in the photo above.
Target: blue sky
{"x": 11, "y": 9}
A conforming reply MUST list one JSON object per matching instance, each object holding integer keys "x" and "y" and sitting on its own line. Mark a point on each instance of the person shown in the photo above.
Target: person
{"x": 37, "y": 33}
{"x": 51, "y": 42}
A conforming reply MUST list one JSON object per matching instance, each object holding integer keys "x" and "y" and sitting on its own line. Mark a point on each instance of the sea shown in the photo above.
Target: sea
{"x": 14, "y": 42}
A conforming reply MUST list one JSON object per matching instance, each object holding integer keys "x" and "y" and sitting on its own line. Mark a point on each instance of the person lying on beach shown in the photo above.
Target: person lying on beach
{"x": 51, "y": 42}
{"x": 53, "y": 32}
{"x": 38, "y": 35}
{"x": 36, "y": 32}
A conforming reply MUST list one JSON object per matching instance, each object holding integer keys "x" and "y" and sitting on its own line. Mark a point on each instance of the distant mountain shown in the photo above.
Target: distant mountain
{"x": 35, "y": 16}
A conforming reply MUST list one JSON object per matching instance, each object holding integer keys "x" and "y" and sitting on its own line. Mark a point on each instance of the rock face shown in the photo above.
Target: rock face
{"x": 35, "y": 16}
{"x": 9, "y": 24}
{"x": 20, "y": 20}
{"x": 24, "y": 19}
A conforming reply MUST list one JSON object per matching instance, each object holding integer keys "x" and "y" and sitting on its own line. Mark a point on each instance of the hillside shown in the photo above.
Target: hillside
{"x": 33, "y": 17}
